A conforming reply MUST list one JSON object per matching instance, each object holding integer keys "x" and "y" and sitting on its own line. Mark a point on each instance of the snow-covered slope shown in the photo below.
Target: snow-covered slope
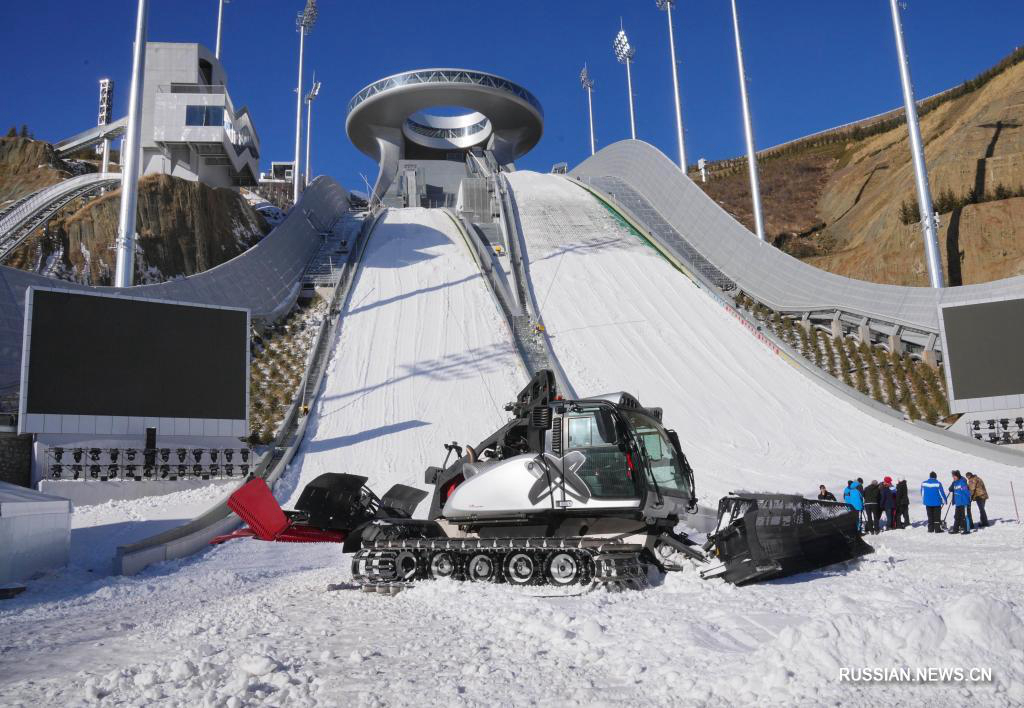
{"x": 621, "y": 318}
{"x": 423, "y": 357}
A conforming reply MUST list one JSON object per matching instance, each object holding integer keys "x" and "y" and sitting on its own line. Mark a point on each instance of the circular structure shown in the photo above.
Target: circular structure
{"x": 392, "y": 119}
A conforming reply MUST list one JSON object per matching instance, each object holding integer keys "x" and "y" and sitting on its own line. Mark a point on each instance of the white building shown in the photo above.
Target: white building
{"x": 190, "y": 127}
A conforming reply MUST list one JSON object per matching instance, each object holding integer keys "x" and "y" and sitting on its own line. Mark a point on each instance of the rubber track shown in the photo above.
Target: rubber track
{"x": 608, "y": 564}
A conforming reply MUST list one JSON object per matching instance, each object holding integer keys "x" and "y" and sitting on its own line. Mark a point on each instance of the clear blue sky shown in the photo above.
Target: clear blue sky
{"x": 811, "y": 64}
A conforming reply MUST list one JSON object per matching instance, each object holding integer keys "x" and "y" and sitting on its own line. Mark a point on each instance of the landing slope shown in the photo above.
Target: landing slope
{"x": 621, "y": 318}
{"x": 423, "y": 357}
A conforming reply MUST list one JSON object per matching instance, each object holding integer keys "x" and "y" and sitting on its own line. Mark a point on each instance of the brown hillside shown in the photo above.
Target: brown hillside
{"x": 27, "y": 165}
{"x": 835, "y": 201}
{"x": 184, "y": 228}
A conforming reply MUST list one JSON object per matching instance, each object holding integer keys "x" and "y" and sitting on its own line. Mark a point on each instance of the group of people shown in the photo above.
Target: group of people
{"x": 892, "y": 500}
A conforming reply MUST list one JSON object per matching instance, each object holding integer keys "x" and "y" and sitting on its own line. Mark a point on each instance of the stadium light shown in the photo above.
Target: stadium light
{"x": 313, "y": 93}
{"x": 588, "y": 86}
{"x": 220, "y": 19}
{"x": 106, "y": 107}
{"x": 924, "y": 193}
{"x": 303, "y": 25}
{"x": 625, "y": 52}
{"x": 124, "y": 272}
{"x": 755, "y": 184}
{"x": 667, "y": 6}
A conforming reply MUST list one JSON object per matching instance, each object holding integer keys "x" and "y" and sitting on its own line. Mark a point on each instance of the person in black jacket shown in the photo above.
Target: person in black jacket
{"x": 902, "y": 505}
{"x": 824, "y": 494}
{"x": 887, "y": 501}
{"x": 872, "y": 496}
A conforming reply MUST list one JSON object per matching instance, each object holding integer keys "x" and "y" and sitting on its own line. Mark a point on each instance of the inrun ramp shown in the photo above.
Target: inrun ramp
{"x": 620, "y": 317}
{"x": 424, "y": 357}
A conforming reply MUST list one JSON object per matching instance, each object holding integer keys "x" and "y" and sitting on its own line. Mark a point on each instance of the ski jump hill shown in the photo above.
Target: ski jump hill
{"x": 617, "y": 276}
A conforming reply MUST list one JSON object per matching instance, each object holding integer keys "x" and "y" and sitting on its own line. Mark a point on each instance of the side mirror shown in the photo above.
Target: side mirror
{"x": 431, "y": 474}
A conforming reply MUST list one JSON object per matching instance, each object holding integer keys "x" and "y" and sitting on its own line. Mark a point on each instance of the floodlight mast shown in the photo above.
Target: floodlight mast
{"x": 106, "y": 103}
{"x": 303, "y": 25}
{"x": 220, "y": 19}
{"x": 588, "y": 86}
{"x": 624, "y": 52}
{"x": 924, "y": 193}
{"x": 755, "y": 183}
{"x": 313, "y": 93}
{"x": 124, "y": 271}
{"x": 667, "y": 6}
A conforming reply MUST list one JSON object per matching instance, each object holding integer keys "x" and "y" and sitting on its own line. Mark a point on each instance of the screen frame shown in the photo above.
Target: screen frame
{"x": 977, "y": 404}
{"x": 63, "y": 423}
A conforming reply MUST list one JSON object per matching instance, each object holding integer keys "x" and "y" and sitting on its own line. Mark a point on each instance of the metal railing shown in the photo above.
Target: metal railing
{"x": 445, "y": 76}
{"x": 192, "y": 88}
{"x": 31, "y": 212}
{"x": 530, "y": 323}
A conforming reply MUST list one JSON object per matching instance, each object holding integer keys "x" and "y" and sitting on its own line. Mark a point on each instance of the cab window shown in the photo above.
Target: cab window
{"x": 606, "y": 471}
{"x": 666, "y": 469}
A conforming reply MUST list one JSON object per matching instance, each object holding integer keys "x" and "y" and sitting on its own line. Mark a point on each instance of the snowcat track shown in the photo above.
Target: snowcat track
{"x": 388, "y": 567}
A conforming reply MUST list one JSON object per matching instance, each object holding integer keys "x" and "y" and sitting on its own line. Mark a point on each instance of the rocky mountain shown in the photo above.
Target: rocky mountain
{"x": 27, "y": 165}
{"x": 184, "y": 228}
{"x": 844, "y": 200}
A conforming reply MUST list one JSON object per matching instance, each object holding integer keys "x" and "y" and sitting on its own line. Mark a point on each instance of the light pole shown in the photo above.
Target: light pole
{"x": 588, "y": 86}
{"x": 313, "y": 93}
{"x": 624, "y": 52}
{"x": 220, "y": 19}
{"x": 667, "y": 5}
{"x": 755, "y": 184}
{"x": 304, "y": 25}
{"x": 924, "y": 193}
{"x": 124, "y": 272}
{"x": 106, "y": 104}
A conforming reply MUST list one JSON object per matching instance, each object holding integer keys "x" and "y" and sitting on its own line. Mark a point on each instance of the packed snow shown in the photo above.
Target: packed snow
{"x": 253, "y": 623}
{"x": 98, "y": 529}
{"x": 423, "y": 357}
{"x": 621, "y": 318}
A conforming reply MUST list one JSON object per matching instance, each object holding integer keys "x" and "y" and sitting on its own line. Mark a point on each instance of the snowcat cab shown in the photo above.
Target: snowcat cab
{"x": 558, "y": 463}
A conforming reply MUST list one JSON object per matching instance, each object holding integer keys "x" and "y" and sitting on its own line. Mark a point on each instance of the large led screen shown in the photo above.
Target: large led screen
{"x": 92, "y": 355}
{"x": 982, "y": 348}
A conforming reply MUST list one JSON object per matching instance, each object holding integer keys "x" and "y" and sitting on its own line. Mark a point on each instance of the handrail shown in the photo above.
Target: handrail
{"x": 509, "y": 220}
{"x": 12, "y": 224}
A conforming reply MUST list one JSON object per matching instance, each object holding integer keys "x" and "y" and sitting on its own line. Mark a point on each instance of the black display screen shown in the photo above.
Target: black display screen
{"x": 983, "y": 347}
{"x": 94, "y": 355}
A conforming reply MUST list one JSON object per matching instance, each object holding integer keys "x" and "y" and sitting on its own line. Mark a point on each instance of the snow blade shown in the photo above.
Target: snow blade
{"x": 336, "y": 501}
{"x": 256, "y": 506}
{"x": 401, "y": 501}
{"x": 765, "y": 536}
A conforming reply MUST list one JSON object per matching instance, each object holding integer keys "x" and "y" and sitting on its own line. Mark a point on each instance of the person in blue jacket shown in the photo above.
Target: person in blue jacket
{"x": 961, "y": 502}
{"x": 855, "y": 499}
{"x": 933, "y": 496}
